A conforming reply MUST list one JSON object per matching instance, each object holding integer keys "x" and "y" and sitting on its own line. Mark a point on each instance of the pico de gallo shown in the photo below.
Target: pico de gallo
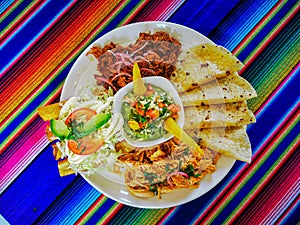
{"x": 144, "y": 114}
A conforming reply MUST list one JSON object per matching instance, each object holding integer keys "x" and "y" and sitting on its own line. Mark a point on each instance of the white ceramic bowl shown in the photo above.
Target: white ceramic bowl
{"x": 162, "y": 83}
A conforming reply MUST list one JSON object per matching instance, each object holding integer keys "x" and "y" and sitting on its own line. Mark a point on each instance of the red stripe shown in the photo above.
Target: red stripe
{"x": 40, "y": 60}
{"x": 262, "y": 151}
{"x": 28, "y": 122}
{"x": 258, "y": 25}
{"x": 35, "y": 41}
{"x": 154, "y": 12}
{"x": 16, "y": 25}
{"x": 51, "y": 75}
{"x": 135, "y": 13}
{"x": 245, "y": 171}
{"x": 90, "y": 209}
{"x": 258, "y": 52}
{"x": 288, "y": 211}
{"x": 166, "y": 216}
{"x": 113, "y": 213}
{"x": 8, "y": 8}
{"x": 281, "y": 184}
{"x": 286, "y": 200}
{"x": 278, "y": 88}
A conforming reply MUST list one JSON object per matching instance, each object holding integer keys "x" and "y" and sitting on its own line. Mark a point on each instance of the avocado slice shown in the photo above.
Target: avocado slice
{"x": 93, "y": 124}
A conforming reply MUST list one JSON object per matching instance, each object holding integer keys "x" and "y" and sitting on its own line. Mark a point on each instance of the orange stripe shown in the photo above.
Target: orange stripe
{"x": 54, "y": 73}
{"x": 51, "y": 57}
{"x": 27, "y": 13}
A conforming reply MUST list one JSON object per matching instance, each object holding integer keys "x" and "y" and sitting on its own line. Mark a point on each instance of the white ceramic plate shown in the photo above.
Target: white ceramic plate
{"x": 82, "y": 73}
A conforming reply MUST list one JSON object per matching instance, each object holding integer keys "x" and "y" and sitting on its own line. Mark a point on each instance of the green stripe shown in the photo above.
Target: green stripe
{"x": 49, "y": 82}
{"x": 263, "y": 178}
{"x": 150, "y": 216}
{"x": 104, "y": 217}
{"x": 128, "y": 213}
{"x": 258, "y": 30}
{"x": 95, "y": 209}
{"x": 271, "y": 32}
{"x": 16, "y": 18}
{"x": 131, "y": 12}
{"x": 254, "y": 170}
{"x": 281, "y": 58}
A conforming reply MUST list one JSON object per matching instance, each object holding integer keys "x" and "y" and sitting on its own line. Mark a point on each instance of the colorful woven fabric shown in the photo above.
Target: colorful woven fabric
{"x": 40, "y": 41}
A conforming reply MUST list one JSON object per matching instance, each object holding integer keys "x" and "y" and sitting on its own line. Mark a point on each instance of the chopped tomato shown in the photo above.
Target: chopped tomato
{"x": 141, "y": 112}
{"x": 175, "y": 116}
{"x": 82, "y": 114}
{"x": 174, "y": 108}
{"x": 161, "y": 104}
{"x": 153, "y": 113}
{"x": 86, "y": 145}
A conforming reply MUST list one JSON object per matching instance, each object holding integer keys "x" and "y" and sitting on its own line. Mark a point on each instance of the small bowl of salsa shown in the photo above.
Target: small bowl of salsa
{"x": 144, "y": 115}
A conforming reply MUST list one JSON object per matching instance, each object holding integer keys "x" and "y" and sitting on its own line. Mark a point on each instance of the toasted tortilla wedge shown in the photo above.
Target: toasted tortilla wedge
{"x": 231, "y": 141}
{"x": 232, "y": 88}
{"x": 203, "y": 64}
{"x": 218, "y": 55}
{"x": 221, "y": 115}
{"x": 49, "y": 112}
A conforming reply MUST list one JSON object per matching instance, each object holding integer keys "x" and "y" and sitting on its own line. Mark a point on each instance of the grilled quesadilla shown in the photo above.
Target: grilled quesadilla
{"x": 203, "y": 64}
{"x": 222, "y": 115}
{"x": 231, "y": 88}
{"x": 231, "y": 141}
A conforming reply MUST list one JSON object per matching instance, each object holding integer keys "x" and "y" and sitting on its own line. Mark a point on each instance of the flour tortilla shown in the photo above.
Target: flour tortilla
{"x": 232, "y": 88}
{"x": 220, "y": 115}
{"x": 231, "y": 141}
{"x": 203, "y": 64}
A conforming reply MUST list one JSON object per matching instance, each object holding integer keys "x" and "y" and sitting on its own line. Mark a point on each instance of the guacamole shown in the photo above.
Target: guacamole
{"x": 144, "y": 115}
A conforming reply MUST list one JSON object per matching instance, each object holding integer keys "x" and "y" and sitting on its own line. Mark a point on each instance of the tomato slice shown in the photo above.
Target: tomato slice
{"x": 86, "y": 145}
{"x": 82, "y": 114}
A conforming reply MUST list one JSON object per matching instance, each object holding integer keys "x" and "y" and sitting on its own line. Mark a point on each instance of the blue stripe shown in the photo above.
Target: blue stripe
{"x": 30, "y": 31}
{"x": 14, "y": 14}
{"x": 5, "y": 4}
{"x": 37, "y": 187}
{"x": 266, "y": 30}
{"x": 241, "y": 21}
{"x": 48, "y": 91}
{"x": 60, "y": 78}
{"x": 257, "y": 176}
{"x": 293, "y": 216}
{"x": 63, "y": 211}
{"x": 199, "y": 16}
{"x": 101, "y": 212}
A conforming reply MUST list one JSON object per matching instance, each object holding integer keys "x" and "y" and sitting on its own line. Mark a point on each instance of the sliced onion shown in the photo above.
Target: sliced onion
{"x": 176, "y": 173}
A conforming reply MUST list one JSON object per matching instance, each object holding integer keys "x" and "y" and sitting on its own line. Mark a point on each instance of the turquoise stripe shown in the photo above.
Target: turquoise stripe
{"x": 5, "y": 4}
{"x": 77, "y": 199}
{"x": 241, "y": 21}
{"x": 11, "y": 39}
